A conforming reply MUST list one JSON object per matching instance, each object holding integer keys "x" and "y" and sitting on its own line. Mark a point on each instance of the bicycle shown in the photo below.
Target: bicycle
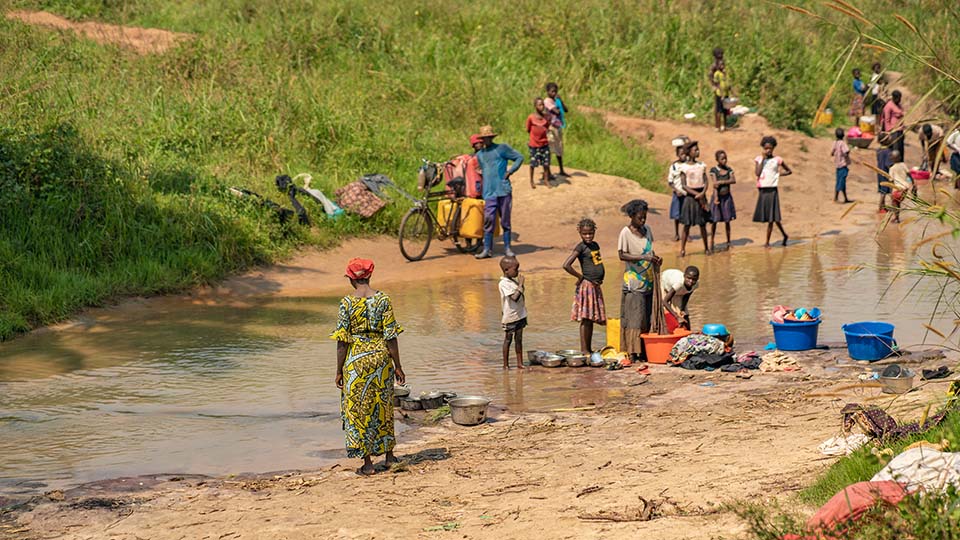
{"x": 420, "y": 223}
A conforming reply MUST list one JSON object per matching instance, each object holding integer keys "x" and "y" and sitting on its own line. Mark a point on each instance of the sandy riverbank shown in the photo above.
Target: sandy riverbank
{"x": 545, "y": 218}
{"x": 688, "y": 442}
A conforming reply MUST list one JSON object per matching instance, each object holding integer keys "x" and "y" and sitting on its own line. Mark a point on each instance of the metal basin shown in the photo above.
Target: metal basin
{"x": 534, "y": 356}
{"x": 469, "y": 410}
{"x": 897, "y": 385}
{"x": 577, "y": 360}
{"x": 400, "y": 392}
{"x": 410, "y": 404}
{"x": 551, "y": 360}
{"x": 431, "y": 400}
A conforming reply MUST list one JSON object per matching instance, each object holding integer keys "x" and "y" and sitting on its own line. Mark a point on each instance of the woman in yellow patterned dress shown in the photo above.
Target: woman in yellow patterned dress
{"x": 368, "y": 361}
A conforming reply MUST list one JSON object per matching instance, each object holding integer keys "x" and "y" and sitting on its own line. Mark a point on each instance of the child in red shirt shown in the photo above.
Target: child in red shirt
{"x": 537, "y": 126}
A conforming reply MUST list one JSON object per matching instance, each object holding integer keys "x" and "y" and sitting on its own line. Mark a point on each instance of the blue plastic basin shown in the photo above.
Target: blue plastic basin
{"x": 869, "y": 340}
{"x": 796, "y": 336}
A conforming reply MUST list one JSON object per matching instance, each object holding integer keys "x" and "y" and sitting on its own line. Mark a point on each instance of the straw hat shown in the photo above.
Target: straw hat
{"x": 487, "y": 131}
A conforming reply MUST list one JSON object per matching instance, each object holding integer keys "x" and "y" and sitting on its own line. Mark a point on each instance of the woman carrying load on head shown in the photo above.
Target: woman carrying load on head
{"x": 368, "y": 362}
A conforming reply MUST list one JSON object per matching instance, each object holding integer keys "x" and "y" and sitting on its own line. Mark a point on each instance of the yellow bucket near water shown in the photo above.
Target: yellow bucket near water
{"x": 471, "y": 217}
{"x": 613, "y": 334}
{"x": 824, "y": 118}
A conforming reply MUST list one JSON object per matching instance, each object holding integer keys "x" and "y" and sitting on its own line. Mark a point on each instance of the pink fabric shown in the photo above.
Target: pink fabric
{"x": 588, "y": 303}
{"x": 891, "y": 117}
{"x": 779, "y": 312}
{"x": 474, "y": 178}
{"x": 854, "y": 132}
{"x": 833, "y": 518}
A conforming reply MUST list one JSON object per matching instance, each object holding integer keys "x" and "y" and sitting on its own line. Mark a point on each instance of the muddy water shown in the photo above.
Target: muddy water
{"x": 169, "y": 385}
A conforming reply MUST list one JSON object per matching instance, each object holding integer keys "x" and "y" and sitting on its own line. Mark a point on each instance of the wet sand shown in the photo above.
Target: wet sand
{"x": 688, "y": 442}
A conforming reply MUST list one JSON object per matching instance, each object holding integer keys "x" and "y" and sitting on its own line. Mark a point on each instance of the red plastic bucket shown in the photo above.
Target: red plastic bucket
{"x": 658, "y": 347}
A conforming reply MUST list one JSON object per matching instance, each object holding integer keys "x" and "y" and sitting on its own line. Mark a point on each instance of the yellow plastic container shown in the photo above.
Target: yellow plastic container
{"x": 471, "y": 217}
{"x": 613, "y": 334}
{"x": 823, "y": 118}
{"x": 868, "y": 124}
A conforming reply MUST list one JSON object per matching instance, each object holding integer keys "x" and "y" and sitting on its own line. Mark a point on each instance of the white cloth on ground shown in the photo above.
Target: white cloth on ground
{"x": 923, "y": 467}
{"x": 842, "y": 446}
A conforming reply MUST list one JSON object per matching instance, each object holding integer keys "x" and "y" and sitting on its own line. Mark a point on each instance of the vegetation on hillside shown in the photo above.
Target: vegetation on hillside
{"x": 114, "y": 166}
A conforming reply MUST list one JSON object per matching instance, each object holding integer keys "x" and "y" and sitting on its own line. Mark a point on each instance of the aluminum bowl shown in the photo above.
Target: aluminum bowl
{"x": 569, "y": 352}
{"x": 469, "y": 410}
{"x": 596, "y": 360}
{"x": 431, "y": 400}
{"x": 551, "y": 360}
{"x": 897, "y": 385}
{"x": 534, "y": 356}
{"x": 410, "y": 404}
{"x": 577, "y": 360}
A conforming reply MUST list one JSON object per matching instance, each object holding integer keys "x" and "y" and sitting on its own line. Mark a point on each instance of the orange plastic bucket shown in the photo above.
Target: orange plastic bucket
{"x": 658, "y": 347}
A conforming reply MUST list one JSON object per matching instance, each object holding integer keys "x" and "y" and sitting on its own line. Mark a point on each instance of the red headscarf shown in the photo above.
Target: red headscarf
{"x": 359, "y": 268}
{"x": 474, "y": 139}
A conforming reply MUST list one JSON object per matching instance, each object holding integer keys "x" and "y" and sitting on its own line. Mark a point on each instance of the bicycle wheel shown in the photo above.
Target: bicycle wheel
{"x": 416, "y": 231}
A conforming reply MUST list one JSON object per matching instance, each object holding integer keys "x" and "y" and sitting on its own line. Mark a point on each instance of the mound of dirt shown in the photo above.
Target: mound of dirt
{"x": 140, "y": 40}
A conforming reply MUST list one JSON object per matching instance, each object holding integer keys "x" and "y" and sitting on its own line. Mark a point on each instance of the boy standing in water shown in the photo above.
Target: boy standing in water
{"x": 513, "y": 308}
{"x": 841, "y": 160}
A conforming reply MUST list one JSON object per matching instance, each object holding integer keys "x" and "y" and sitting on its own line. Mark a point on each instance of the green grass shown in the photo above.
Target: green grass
{"x": 114, "y": 166}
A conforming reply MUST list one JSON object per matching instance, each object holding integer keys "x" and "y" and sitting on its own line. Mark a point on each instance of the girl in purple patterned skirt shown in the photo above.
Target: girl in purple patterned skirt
{"x": 588, "y": 298}
{"x": 722, "y": 207}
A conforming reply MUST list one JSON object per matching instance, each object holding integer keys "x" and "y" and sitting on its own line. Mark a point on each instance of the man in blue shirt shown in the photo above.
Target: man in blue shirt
{"x": 497, "y": 191}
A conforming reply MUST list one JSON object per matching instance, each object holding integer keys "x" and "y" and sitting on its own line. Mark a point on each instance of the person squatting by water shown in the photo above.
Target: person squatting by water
{"x": 368, "y": 365}
{"x": 678, "y": 286}
{"x": 513, "y": 309}
{"x": 588, "y": 305}
{"x": 767, "y": 168}
{"x": 497, "y": 190}
{"x": 635, "y": 249}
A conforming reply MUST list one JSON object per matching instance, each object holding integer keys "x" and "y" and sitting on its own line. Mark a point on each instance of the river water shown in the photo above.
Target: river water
{"x": 170, "y": 385}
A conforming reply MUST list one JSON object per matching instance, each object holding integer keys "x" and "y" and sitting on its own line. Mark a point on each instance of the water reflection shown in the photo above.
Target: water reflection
{"x": 170, "y": 385}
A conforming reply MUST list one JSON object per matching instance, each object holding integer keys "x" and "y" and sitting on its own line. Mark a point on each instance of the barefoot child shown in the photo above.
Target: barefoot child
{"x": 841, "y": 160}
{"x": 694, "y": 211}
{"x": 768, "y": 178}
{"x": 514, "y": 311}
{"x": 884, "y": 162}
{"x": 722, "y": 209}
{"x": 537, "y": 126}
{"x": 673, "y": 180}
{"x": 588, "y": 305}
{"x": 902, "y": 183}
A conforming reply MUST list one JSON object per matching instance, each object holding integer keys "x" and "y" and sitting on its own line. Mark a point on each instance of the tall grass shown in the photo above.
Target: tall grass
{"x": 337, "y": 89}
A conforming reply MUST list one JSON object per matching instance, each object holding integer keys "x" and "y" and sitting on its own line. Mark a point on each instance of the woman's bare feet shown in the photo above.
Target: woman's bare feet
{"x": 785, "y": 237}
{"x": 367, "y": 469}
{"x": 391, "y": 459}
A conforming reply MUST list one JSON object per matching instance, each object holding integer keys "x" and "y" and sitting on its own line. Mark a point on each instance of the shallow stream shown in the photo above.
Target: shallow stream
{"x": 169, "y": 385}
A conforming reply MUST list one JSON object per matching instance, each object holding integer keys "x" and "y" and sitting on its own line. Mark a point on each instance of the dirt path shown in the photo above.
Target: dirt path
{"x": 140, "y": 40}
{"x": 689, "y": 442}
